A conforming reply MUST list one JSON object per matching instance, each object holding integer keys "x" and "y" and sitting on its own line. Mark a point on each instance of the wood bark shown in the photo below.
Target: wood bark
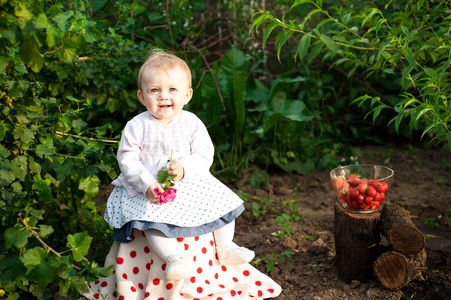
{"x": 357, "y": 244}
{"x": 400, "y": 231}
{"x": 394, "y": 270}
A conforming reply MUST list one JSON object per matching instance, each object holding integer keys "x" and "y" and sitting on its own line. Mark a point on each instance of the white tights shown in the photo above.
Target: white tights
{"x": 165, "y": 246}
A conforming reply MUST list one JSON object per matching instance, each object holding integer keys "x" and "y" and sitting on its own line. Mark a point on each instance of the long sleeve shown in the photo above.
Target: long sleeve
{"x": 128, "y": 155}
{"x": 202, "y": 151}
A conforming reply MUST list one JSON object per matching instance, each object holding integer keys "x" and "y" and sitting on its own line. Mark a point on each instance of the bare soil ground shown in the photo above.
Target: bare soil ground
{"x": 422, "y": 186}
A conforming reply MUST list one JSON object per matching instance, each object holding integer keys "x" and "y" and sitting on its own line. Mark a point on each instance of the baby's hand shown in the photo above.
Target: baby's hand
{"x": 177, "y": 169}
{"x": 151, "y": 195}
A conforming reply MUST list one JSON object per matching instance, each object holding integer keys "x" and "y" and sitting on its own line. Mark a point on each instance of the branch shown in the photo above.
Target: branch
{"x": 27, "y": 227}
{"x": 83, "y": 137}
{"x": 212, "y": 74}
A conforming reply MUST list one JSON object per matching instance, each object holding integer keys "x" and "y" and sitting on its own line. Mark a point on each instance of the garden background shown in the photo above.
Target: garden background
{"x": 285, "y": 87}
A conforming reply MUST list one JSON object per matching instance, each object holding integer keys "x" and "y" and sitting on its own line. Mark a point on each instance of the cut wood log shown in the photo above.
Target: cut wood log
{"x": 394, "y": 270}
{"x": 357, "y": 244}
{"x": 400, "y": 231}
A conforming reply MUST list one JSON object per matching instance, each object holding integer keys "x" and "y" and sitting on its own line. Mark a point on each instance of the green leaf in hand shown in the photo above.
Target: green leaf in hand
{"x": 165, "y": 179}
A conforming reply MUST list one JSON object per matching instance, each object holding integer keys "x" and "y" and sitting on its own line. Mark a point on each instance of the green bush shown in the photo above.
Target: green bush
{"x": 401, "y": 49}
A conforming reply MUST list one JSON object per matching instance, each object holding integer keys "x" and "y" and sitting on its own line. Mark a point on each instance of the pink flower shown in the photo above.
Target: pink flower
{"x": 167, "y": 196}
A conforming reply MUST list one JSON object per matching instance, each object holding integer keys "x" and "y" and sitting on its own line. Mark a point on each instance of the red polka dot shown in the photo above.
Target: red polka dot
{"x": 161, "y": 298}
{"x": 200, "y": 290}
{"x": 196, "y": 238}
{"x": 119, "y": 260}
{"x": 151, "y": 262}
{"x": 169, "y": 286}
{"x": 135, "y": 270}
{"x": 219, "y": 298}
{"x": 246, "y": 273}
{"x": 260, "y": 293}
{"x": 133, "y": 254}
{"x": 186, "y": 246}
{"x": 271, "y": 291}
{"x": 204, "y": 250}
{"x": 199, "y": 270}
{"x": 216, "y": 256}
{"x": 143, "y": 233}
{"x": 121, "y": 298}
{"x": 207, "y": 282}
{"x": 147, "y": 294}
{"x": 224, "y": 268}
{"x": 124, "y": 276}
{"x": 222, "y": 286}
{"x": 141, "y": 286}
{"x": 180, "y": 240}
{"x": 104, "y": 284}
{"x": 258, "y": 283}
{"x": 194, "y": 258}
{"x": 114, "y": 294}
{"x": 133, "y": 237}
{"x": 239, "y": 292}
{"x": 210, "y": 263}
{"x": 96, "y": 296}
{"x": 233, "y": 293}
{"x": 133, "y": 289}
{"x": 96, "y": 282}
{"x": 192, "y": 279}
{"x": 146, "y": 249}
{"x": 163, "y": 267}
{"x": 235, "y": 279}
{"x": 156, "y": 281}
{"x": 212, "y": 243}
{"x": 148, "y": 266}
{"x": 216, "y": 276}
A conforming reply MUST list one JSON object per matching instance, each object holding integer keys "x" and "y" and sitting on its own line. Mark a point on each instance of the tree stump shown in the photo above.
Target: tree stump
{"x": 400, "y": 231}
{"x": 357, "y": 244}
{"x": 394, "y": 270}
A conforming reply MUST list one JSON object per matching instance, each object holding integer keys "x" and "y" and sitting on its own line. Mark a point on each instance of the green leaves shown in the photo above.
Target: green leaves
{"x": 165, "y": 179}
{"x": 30, "y": 55}
{"x": 79, "y": 244}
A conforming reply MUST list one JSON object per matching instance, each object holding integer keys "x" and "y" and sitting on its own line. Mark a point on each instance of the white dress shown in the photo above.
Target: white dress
{"x": 201, "y": 199}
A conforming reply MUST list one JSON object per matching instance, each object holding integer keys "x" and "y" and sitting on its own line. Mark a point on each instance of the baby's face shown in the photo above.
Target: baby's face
{"x": 164, "y": 93}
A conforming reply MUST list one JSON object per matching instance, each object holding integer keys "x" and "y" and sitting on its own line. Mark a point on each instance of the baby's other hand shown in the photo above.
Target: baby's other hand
{"x": 151, "y": 195}
{"x": 177, "y": 169}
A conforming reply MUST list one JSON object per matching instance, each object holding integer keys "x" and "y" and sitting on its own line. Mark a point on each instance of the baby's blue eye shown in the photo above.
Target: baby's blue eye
{"x": 154, "y": 90}
{"x": 172, "y": 89}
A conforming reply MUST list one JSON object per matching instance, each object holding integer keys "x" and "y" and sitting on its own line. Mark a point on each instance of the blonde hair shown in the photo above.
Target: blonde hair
{"x": 163, "y": 61}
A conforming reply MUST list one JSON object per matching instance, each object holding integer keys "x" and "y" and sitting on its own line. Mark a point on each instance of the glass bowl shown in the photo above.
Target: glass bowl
{"x": 362, "y": 188}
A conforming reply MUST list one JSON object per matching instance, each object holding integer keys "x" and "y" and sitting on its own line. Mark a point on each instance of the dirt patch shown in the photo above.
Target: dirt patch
{"x": 422, "y": 186}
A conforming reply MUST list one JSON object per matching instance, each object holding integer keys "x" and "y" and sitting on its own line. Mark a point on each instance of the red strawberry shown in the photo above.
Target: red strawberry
{"x": 363, "y": 185}
{"x": 353, "y": 177}
{"x": 353, "y": 192}
{"x": 360, "y": 198}
{"x": 371, "y": 191}
{"x": 338, "y": 183}
{"x": 383, "y": 187}
{"x": 368, "y": 199}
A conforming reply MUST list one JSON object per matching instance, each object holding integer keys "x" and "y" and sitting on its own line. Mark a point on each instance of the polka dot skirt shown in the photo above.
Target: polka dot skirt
{"x": 139, "y": 274}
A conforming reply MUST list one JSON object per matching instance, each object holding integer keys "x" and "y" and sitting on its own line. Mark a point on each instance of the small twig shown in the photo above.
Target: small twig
{"x": 27, "y": 227}
{"x": 212, "y": 74}
{"x": 83, "y": 137}
{"x": 169, "y": 24}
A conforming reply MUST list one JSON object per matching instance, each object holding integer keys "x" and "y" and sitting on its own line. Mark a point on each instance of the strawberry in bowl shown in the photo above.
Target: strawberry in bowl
{"x": 362, "y": 188}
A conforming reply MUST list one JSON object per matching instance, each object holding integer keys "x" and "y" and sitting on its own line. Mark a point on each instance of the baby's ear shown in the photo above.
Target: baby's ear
{"x": 189, "y": 95}
{"x": 140, "y": 96}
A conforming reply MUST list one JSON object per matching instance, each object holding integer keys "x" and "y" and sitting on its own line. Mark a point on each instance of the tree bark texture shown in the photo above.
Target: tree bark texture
{"x": 357, "y": 244}
{"x": 394, "y": 270}
{"x": 400, "y": 231}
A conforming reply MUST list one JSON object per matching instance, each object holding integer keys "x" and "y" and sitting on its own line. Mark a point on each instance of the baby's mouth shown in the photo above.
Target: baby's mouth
{"x": 164, "y": 106}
